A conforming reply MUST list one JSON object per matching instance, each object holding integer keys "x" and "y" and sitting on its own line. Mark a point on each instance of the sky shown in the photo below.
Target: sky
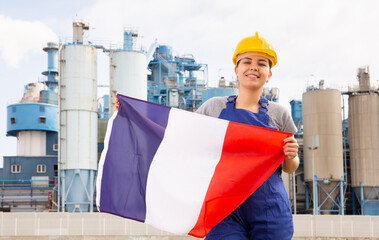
{"x": 314, "y": 39}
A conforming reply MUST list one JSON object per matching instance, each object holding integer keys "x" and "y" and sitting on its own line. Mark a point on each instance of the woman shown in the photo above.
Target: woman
{"x": 266, "y": 214}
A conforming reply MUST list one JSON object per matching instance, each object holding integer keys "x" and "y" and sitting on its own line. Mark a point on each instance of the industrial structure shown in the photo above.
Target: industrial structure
{"x": 128, "y": 71}
{"x": 338, "y": 172}
{"x": 223, "y": 89}
{"x": 27, "y": 180}
{"x": 322, "y": 147}
{"x": 174, "y": 79}
{"x": 339, "y": 156}
{"x": 364, "y": 145}
{"x": 77, "y": 123}
{"x": 320, "y": 182}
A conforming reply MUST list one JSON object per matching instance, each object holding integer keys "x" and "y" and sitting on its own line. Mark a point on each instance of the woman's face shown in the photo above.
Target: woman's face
{"x": 253, "y": 70}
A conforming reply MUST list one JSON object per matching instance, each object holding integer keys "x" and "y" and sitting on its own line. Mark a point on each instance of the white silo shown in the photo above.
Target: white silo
{"x": 322, "y": 118}
{"x": 78, "y": 124}
{"x": 128, "y": 70}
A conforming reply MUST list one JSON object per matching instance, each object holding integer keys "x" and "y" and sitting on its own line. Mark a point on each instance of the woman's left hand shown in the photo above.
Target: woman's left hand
{"x": 116, "y": 104}
{"x": 290, "y": 149}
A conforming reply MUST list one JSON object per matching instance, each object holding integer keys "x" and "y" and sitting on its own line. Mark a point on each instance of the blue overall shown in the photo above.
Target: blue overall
{"x": 266, "y": 214}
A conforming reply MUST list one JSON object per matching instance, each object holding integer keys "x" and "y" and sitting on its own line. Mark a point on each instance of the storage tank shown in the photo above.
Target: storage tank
{"x": 78, "y": 126}
{"x": 322, "y": 117}
{"x": 364, "y": 141}
{"x": 271, "y": 94}
{"x": 128, "y": 72}
{"x": 165, "y": 52}
{"x": 42, "y": 118}
{"x": 33, "y": 92}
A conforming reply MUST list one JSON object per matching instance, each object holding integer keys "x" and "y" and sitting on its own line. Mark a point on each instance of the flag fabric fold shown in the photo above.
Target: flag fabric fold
{"x": 179, "y": 171}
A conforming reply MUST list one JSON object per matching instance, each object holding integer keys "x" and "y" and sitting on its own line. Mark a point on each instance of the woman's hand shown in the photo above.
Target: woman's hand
{"x": 290, "y": 148}
{"x": 116, "y": 104}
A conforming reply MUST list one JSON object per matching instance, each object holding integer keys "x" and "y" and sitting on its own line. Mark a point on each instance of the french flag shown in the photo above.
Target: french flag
{"x": 179, "y": 171}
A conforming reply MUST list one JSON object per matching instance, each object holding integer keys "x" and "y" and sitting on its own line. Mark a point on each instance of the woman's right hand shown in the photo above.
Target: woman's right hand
{"x": 116, "y": 104}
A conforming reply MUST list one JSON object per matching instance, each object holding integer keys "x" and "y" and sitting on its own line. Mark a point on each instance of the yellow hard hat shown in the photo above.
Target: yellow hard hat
{"x": 255, "y": 44}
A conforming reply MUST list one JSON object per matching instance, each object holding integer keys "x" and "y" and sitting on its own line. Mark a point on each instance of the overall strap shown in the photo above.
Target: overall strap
{"x": 231, "y": 102}
{"x": 232, "y": 99}
{"x": 263, "y": 102}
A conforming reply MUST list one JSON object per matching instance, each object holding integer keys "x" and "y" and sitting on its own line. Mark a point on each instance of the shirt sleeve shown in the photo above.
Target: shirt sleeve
{"x": 288, "y": 124}
{"x": 212, "y": 107}
{"x": 281, "y": 118}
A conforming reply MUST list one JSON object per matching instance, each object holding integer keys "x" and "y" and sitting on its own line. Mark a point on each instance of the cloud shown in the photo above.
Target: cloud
{"x": 18, "y": 38}
{"x": 326, "y": 39}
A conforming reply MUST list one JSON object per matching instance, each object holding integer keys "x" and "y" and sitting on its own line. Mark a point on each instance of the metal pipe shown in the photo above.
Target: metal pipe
{"x": 59, "y": 129}
{"x": 314, "y": 186}
{"x": 63, "y": 192}
{"x": 294, "y": 192}
{"x": 362, "y": 197}
{"x": 314, "y": 196}
{"x": 344, "y": 137}
{"x": 342, "y": 196}
{"x": 307, "y": 206}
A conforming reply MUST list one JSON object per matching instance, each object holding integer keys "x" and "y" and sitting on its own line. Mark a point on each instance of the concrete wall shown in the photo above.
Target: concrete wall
{"x": 336, "y": 226}
{"x": 106, "y": 226}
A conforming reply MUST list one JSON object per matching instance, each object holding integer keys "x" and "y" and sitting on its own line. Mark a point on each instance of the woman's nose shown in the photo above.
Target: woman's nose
{"x": 253, "y": 67}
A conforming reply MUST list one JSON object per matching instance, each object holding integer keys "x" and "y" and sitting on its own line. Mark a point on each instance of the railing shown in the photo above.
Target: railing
{"x": 106, "y": 45}
{"x": 32, "y": 100}
{"x": 28, "y": 193}
{"x": 27, "y": 184}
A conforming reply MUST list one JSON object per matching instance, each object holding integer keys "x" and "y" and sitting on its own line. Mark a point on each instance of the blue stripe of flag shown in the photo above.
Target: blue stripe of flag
{"x": 137, "y": 132}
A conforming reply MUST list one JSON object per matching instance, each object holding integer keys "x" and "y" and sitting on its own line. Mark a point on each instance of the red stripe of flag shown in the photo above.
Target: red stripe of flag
{"x": 249, "y": 157}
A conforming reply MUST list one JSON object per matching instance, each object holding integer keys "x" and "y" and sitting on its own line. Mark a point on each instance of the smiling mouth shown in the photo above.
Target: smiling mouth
{"x": 252, "y": 76}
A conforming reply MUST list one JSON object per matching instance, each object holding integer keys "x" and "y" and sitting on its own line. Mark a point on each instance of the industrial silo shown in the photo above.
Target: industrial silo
{"x": 78, "y": 123}
{"x": 364, "y": 144}
{"x": 128, "y": 70}
{"x": 322, "y": 118}
{"x": 271, "y": 94}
